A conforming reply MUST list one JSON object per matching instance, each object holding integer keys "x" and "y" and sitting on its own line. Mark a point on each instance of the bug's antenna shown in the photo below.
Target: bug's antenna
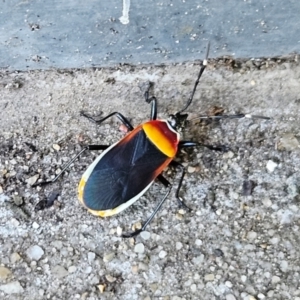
{"x": 203, "y": 66}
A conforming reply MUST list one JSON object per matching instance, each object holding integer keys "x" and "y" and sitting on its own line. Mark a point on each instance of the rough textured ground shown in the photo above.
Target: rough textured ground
{"x": 241, "y": 241}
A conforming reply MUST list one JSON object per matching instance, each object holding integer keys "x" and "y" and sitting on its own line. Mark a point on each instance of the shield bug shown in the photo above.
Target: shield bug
{"x": 124, "y": 171}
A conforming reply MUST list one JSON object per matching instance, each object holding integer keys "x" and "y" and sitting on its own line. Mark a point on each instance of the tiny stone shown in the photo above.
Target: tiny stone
{"x": 178, "y": 245}
{"x": 56, "y": 147}
{"x": 230, "y": 297}
{"x": 72, "y": 269}
{"x": 135, "y": 269}
{"x": 198, "y": 242}
{"x": 179, "y": 216}
{"x": 35, "y": 225}
{"x": 191, "y": 169}
{"x": 162, "y": 254}
{"x": 18, "y": 200}
{"x": 101, "y": 287}
{"x": 275, "y": 279}
{"x": 244, "y": 278}
{"x": 139, "y": 248}
{"x": 261, "y": 296}
{"x": 252, "y": 235}
{"x": 110, "y": 278}
{"x": 193, "y": 288}
{"x": 1, "y": 190}
{"x": 4, "y": 273}
{"x": 13, "y": 287}
{"x": 108, "y": 257}
{"x": 209, "y": 277}
{"x": 228, "y": 154}
{"x": 284, "y": 266}
{"x": 32, "y": 180}
{"x": 271, "y": 166}
{"x": 252, "y": 82}
{"x": 59, "y": 271}
{"x": 198, "y": 260}
{"x": 250, "y": 297}
{"x": 119, "y": 231}
{"x": 288, "y": 142}
{"x": 181, "y": 211}
{"x": 229, "y": 284}
{"x": 267, "y": 202}
{"x": 270, "y": 293}
{"x": 137, "y": 226}
{"x": 145, "y": 235}
{"x": 35, "y": 252}
{"x": 15, "y": 257}
{"x": 91, "y": 257}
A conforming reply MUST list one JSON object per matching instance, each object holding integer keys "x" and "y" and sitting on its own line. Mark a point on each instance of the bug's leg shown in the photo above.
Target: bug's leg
{"x": 153, "y": 101}
{"x": 118, "y": 115}
{"x": 157, "y": 208}
{"x": 189, "y": 144}
{"x": 89, "y": 147}
{"x": 238, "y": 116}
{"x": 180, "y": 201}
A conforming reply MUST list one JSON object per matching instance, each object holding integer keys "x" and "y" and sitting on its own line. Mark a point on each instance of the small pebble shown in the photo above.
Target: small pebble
{"x": 230, "y": 297}
{"x": 13, "y": 287}
{"x": 110, "y": 278}
{"x": 267, "y": 202}
{"x": 32, "y": 180}
{"x": 1, "y": 190}
{"x": 119, "y": 231}
{"x": 35, "y": 225}
{"x": 145, "y": 235}
{"x": 108, "y": 257}
{"x": 91, "y": 257}
{"x": 59, "y": 271}
{"x": 18, "y": 200}
{"x": 139, "y": 248}
{"x": 178, "y": 245}
{"x": 275, "y": 279}
{"x": 191, "y": 169}
{"x": 15, "y": 257}
{"x": 162, "y": 254}
{"x": 252, "y": 235}
{"x": 288, "y": 142}
{"x": 101, "y": 287}
{"x": 261, "y": 296}
{"x": 228, "y": 284}
{"x": 35, "y": 252}
{"x": 4, "y": 273}
{"x": 72, "y": 269}
{"x": 135, "y": 269}
{"x": 209, "y": 277}
{"x": 56, "y": 147}
{"x": 244, "y": 278}
{"x": 271, "y": 166}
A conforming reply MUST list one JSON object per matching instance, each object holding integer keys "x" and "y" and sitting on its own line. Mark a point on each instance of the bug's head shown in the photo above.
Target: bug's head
{"x": 178, "y": 121}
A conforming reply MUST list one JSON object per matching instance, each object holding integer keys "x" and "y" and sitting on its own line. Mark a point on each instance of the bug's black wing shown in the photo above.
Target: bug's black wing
{"x": 123, "y": 172}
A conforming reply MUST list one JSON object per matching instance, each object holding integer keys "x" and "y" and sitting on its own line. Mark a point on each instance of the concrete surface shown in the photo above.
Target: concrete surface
{"x": 241, "y": 241}
{"x": 40, "y": 34}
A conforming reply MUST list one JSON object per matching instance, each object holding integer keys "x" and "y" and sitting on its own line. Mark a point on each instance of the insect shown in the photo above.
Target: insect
{"x": 124, "y": 171}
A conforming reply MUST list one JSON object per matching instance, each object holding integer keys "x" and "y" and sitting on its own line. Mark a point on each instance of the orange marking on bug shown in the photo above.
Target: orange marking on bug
{"x": 162, "y": 137}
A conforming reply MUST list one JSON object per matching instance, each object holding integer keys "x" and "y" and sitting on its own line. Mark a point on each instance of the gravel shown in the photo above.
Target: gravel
{"x": 239, "y": 241}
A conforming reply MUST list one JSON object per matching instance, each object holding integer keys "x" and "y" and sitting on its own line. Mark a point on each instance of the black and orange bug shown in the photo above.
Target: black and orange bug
{"x": 125, "y": 170}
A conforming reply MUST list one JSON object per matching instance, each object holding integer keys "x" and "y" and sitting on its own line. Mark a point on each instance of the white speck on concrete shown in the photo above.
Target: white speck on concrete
{"x": 124, "y": 19}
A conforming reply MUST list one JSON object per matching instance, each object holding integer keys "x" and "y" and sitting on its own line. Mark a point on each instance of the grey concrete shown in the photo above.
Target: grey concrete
{"x": 235, "y": 244}
{"x": 74, "y": 34}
